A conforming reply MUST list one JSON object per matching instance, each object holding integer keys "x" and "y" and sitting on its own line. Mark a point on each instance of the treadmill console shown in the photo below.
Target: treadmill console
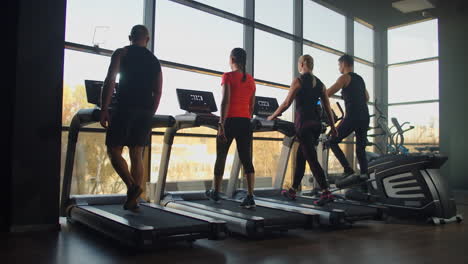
{"x": 196, "y": 101}
{"x": 94, "y": 90}
{"x": 265, "y": 106}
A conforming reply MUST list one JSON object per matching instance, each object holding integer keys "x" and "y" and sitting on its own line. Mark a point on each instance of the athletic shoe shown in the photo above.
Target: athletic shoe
{"x": 248, "y": 202}
{"x": 132, "y": 195}
{"x": 325, "y": 198}
{"x": 213, "y": 195}
{"x": 290, "y": 194}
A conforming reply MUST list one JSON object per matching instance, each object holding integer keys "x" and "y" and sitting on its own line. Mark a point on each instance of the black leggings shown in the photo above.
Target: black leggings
{"x": 359, "y": 127}
{"x": 308, "y": 135}
{"x": 238, "y": 128}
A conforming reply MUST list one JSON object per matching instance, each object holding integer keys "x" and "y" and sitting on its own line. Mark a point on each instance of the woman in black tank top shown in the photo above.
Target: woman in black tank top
{"x": 307, "y": 90}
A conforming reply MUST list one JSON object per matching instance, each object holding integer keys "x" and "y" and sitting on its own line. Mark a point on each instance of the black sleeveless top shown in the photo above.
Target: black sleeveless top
{"x": 354, "y": 96}
{"x": 307, "y": 98}
{"x": 138, "y": 69}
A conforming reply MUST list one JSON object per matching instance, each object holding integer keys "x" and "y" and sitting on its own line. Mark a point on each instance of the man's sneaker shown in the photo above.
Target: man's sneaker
{"x": 134, "y": 192}
{"x": 290, "y": 194}
{"x": 326, "y": 197}
{"x": 213, "y": 195}
{"x": 248, "y": 202}
{"x": 132, "y": 195}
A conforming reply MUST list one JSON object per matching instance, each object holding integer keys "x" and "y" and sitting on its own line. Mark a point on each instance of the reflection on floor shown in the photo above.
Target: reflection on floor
{"x": 366, "y": 242}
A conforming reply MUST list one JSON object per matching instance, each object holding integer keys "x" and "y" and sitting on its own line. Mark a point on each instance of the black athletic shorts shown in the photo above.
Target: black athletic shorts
{"x": 129, "y": 127}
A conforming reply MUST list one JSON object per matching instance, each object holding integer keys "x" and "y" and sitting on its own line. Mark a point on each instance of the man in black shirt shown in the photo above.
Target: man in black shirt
{"x": 138, "y": 95}
{"x": 355, "y": 96}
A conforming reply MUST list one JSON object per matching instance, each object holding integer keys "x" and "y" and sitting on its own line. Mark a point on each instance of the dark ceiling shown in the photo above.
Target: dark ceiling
{"x": 379, "y": 13}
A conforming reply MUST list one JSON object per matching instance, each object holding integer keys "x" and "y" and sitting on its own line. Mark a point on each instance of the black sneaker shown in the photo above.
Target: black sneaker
{"x": 132, "y": 195}
{"x": 325, "y": 198}
{"x": 290, "y": 194}
{"x": 248, "y": 202}
{"x": 213, "y": 195}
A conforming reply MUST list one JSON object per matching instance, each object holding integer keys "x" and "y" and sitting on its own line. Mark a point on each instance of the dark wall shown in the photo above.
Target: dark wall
{"x": 34, "y": 179}
{"x": 453, "y": 56}
{"x": 7, "y": 107}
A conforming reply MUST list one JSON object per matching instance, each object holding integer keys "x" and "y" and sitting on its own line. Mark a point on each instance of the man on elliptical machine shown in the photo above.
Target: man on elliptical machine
{"x": 356, "y": 119}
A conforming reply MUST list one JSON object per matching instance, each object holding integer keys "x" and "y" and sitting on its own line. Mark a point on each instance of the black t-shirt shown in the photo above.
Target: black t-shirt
{"x": 354, "y": 96}
{"x": 307, "y": 108}
{"x": 138, "y": 70}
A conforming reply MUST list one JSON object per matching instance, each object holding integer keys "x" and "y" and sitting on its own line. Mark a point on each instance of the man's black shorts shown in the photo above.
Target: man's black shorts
{"x": 129, "y": 127}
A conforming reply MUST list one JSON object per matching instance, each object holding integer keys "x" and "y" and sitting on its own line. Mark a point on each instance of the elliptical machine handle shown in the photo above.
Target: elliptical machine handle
{"x": 397, "y": 125}
{"x": 341, "y": 111}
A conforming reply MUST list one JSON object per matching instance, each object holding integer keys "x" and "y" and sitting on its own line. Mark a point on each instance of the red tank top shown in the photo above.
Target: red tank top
{"x": 241, "y": 93}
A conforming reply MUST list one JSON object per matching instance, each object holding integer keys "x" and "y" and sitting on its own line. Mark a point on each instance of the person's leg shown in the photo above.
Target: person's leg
{"x": 116, "y": 136}
{"x": 222, "y": 149}
{"x": 300, "y": 168}
{"x": 361, "y": 140}
{"x": 308, "y": 140}
{"x": 344, "y": 130}
{"x": 243, "y": 136}
{"x": 136, "y": 169}
{"x": 298, "y": 175}
{"x": 120, "y": 165}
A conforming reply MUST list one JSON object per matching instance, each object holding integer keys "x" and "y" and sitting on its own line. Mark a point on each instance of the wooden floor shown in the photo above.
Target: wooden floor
{"x": 366, "y": 242}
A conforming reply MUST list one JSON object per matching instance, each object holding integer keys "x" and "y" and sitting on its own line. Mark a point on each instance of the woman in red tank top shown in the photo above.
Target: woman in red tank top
{"x": 234, "y": 123}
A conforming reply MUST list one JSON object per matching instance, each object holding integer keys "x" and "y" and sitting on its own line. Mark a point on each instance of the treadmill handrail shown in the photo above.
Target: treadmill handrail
{"x": 82, "y": 118}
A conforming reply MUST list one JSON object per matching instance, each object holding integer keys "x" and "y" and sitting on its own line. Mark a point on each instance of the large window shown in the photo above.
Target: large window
{"x": 367, "y": 73}
{"x": 363, "y": 41}
{"x": 232, "y": 6}
{"x": 325, "y": 65}
{"x": 413, "y": 42}
{"x": 275, "y": 13}
{"x": 199, "y": 39}
{"x": 413, "y": 87}
{"x": 424, "y": 118}
{"x": 273, "y": 58}
{"x": 105, "y": 23}
{"x": 78, "y": 67}
{"x": 174, "y": 79}
{"x": 324, "y": 26}
{"x": 413, "y": 82}
{"x": 93, "y": 172}
{"x": 279, "y": 94}
{"x": 185, "y": 40}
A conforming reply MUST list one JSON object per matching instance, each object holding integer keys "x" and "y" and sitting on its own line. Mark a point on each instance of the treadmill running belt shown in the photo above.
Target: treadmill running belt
{"x": 154, "y": 217}
{"x": 271, "y": 216}
{"x": 350, "y": 210}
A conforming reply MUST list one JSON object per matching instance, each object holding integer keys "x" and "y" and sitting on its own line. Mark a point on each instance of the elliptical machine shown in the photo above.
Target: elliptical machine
{"x": 409, "y": 185}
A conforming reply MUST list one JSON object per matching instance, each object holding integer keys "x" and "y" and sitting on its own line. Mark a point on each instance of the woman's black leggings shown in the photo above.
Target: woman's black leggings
{"x": 238, "y": 128}
{"x": 308, "y": 139}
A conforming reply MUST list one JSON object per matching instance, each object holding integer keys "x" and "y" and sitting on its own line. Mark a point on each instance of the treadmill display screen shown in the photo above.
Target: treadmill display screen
{"x": 93, "y": 92}
{"x": 265, "y": 106}
{"x": 196, "y": 101}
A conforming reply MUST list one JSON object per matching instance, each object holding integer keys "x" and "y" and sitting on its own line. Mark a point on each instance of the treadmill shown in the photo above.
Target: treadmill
{"x": 336, "y": 214}
{"x": 252, "y": 223}
{"x": 152, "y": 225}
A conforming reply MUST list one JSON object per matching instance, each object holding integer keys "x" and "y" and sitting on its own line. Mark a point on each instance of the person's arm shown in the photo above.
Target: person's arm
{"x": 326, "y": 104}
{"x": 339, "y": 84}
{"x": 367, "y": 96}
{"x": 225, "y": 102}
{"x": 109, "y": 86}
{"x": 295, "y": 86}
{"x": 252, "y": 102}
{"x": 157, "y": 90}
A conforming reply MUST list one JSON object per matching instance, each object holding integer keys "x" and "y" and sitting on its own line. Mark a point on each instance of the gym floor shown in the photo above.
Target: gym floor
{"x": 366, "y": 242}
